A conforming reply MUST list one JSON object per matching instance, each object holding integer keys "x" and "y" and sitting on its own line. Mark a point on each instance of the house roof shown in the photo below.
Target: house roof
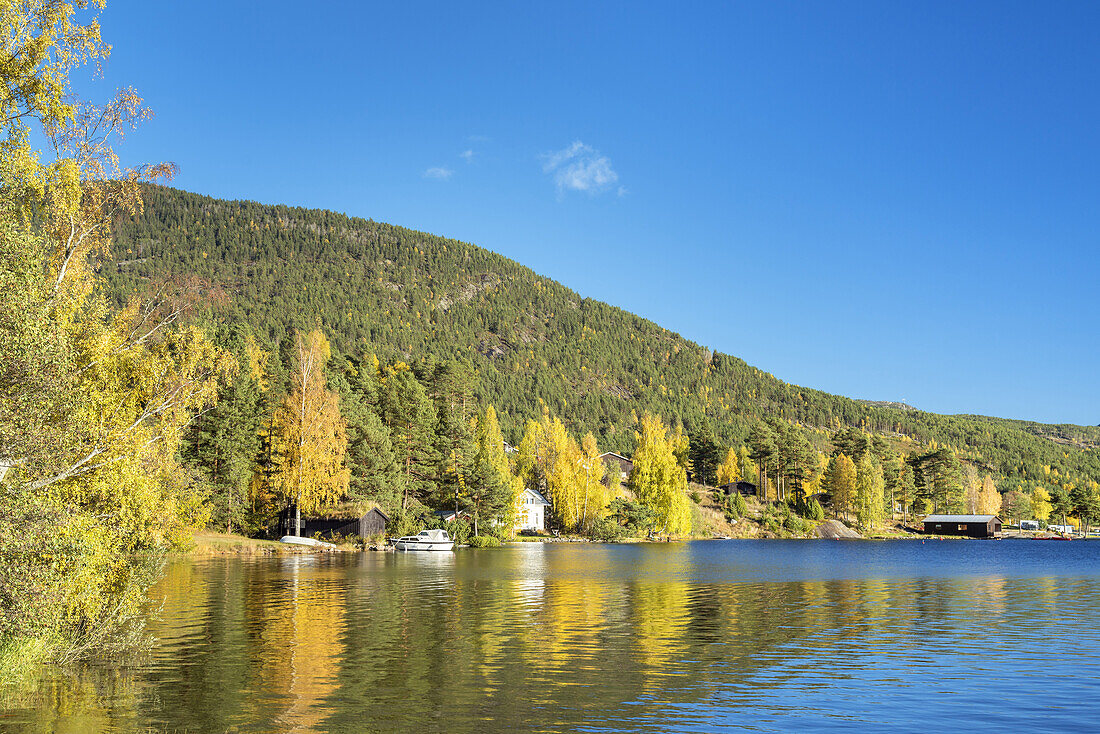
{"x": 538, "y": 496}
{"x": 614, "y": 455}
{"x": 959, "y": 518}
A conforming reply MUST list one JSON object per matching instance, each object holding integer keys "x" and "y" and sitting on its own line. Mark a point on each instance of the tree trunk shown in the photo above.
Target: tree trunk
{"x": 587, "y": 479}
{"x": 408, "y": 476}
{"x": 306, "y": 370}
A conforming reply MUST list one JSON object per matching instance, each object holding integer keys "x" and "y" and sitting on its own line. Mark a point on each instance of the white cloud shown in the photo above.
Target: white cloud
{"x": 580, "y": 167}
{"x": 439, "y": 173}
{"x": 467, "y": 155}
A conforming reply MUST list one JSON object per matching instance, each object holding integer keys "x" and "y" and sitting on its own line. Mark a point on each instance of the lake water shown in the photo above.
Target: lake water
{"x": 705, "y": 636}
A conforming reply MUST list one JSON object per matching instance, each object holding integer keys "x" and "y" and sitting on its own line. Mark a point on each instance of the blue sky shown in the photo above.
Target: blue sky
{"x": 895, "y": 201}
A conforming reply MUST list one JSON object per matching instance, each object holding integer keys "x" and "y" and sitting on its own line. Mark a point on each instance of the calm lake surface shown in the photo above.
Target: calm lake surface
{"x": 704, "y": 636}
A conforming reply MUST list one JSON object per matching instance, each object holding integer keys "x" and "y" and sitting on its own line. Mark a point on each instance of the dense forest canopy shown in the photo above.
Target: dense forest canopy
{"x": 402, "y": 294}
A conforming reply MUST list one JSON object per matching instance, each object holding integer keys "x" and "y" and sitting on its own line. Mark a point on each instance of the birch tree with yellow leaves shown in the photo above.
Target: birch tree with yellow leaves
{"x": 93, "y": 400}
{"x": 570, "y": 475}
{"x": 494, "y": 492}
{"x": 989, "y": 499}
{"x": 658, "y": 479}
{"x": 312, "y": 437}
{"x": 728, "y": 470}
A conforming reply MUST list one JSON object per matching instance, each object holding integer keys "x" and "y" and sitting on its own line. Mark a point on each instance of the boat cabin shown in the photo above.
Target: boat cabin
{"x": 968, "y": 526}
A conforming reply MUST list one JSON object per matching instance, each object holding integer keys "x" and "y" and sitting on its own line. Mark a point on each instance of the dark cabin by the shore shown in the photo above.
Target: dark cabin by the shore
{"x": 618, "y": 462}
{"x": 967, "y": 526}
{"x": 748, "y": 489}
{"x": 370, "y": 523}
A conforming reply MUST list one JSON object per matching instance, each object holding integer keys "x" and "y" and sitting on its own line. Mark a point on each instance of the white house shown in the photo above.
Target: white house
{"x": 532, "y": 511}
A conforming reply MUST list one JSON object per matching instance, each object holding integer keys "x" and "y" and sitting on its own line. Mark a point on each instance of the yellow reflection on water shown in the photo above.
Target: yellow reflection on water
{"x": 301, "y": 645}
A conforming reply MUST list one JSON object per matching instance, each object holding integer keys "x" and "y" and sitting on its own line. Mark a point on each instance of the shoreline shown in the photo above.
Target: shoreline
{"x": 207, "y": 544}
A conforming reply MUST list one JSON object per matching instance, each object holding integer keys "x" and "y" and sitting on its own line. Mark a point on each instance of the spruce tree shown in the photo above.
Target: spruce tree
{"x": 411, "y": 417}
{"x": 704, "y": 456}
{"x": 763, "y": 451}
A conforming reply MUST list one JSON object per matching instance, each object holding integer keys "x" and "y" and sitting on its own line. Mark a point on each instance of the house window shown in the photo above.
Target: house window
{"x": 962, "y": 527}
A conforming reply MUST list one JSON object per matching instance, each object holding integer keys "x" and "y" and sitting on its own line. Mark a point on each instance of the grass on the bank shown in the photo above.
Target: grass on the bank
{"x": 21, "y": 661}
{"x": 209, "y": 543}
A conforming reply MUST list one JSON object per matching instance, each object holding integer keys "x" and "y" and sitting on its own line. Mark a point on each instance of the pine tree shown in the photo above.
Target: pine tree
{"x": 892, "y": 471}
{"x": 1060, "y": 503}
{"x": 375, "y": 474}
{"x": 225, "y": 443}
{"x": 763, "y": 451}
{"x": 411, "y": 417}
{"x": 852, "y": 442}
{"x": 800, "y": 464}
{"x": 704, "y": 456}
{"x": 1086, "y": 504}
{"x": 906, "y": 490}
{"x": 937, "y": 479}
{"x": 448, "y": 384}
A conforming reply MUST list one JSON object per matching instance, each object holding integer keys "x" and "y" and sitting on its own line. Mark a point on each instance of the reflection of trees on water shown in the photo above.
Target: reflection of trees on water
{"x": 543, "y": 638}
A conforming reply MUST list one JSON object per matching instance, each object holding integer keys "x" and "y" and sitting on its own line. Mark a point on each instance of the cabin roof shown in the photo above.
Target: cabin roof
{"x": 959, "y": 518}
{"x": 339, "y": 513}
{"x": 613, "y": 454}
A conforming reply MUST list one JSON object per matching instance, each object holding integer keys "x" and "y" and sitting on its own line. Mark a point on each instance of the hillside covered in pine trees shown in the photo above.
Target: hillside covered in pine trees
{"x": 402, "y": 294}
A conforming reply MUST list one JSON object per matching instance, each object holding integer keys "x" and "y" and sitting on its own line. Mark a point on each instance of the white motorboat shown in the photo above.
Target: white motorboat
{"x": 426, "y": 540}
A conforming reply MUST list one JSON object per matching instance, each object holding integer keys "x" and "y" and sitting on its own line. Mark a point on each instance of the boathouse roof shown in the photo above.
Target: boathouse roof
{"x": 959, "y": 518}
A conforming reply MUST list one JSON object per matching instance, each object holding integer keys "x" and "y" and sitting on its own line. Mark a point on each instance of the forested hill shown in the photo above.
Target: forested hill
{"x": 406, "y": 294}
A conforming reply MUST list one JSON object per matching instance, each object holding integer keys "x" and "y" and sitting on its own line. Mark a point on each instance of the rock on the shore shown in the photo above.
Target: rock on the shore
{"x": 833, "y": 529}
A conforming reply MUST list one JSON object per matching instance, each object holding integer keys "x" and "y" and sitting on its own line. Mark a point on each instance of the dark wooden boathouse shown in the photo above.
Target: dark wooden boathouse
{"x": 748, "y": 489}
{"x": 969, "y": 526}
{"x": 617, "y": 462}
{"x": 370, "y": 523}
